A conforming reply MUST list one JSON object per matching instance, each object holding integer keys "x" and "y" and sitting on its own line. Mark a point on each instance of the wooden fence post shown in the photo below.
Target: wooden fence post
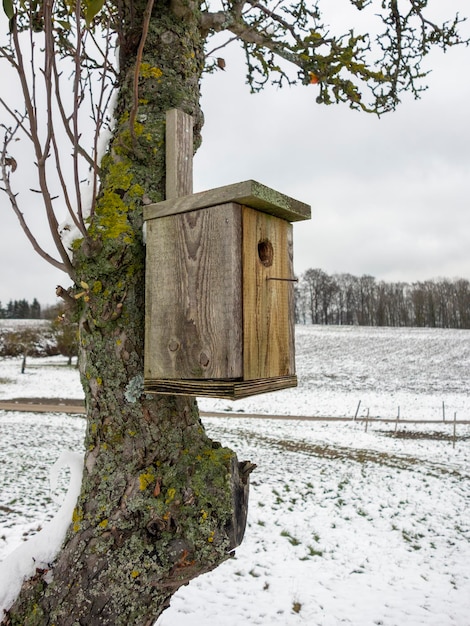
{"x": 357, "y": 410}
{"x": 396, "y": 421}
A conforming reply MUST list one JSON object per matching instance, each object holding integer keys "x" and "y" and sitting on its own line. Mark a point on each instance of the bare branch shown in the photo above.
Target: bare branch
{"x": 8, "y": 56}
{"x": 220, "y": 21}
{"x": 224, "y": 45}
{"x": 99, "y": 110}
{"x": 76, "y": 100}
{"x": 44, "y": 138}
{"x": 215, "y": 22}
{"x": 69, "y": 300}
{"x": 28, "y": 98}
{"x": 140, "y": 52}
{"x": 66, "y": 121}
{"x": 74, "y": 216}
{"x": 47, "y": 73}
{"x": 290, "y": 28}
{"x": 41, "y": 153}
{"x": 4, "y": 163}
{"x": 17, "y": 117}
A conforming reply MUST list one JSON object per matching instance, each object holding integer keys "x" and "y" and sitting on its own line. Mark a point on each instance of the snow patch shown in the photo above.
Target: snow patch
{"x": 41, "y": 549}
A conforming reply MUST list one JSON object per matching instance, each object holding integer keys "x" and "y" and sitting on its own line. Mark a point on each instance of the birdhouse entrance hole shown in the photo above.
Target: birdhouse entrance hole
{"x": 266, "y": 252}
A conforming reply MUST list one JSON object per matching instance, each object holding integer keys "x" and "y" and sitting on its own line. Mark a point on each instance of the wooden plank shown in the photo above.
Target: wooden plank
{"x": 193, "y": 295}
{"x": 249, "y": 193}
{"x": 268, "y": 316}
{"x": 179, "y": 154}
{"x": 230, "y": 390}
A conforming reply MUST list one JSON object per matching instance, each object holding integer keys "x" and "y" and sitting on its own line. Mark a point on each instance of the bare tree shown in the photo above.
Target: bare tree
{"x": 160, "y": 502}
{"x": 346, "y": 299}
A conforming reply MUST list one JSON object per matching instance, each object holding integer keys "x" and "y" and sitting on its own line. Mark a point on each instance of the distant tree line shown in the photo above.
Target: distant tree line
{"x": 341, "y": 299}
{"x": 21, "y": 310}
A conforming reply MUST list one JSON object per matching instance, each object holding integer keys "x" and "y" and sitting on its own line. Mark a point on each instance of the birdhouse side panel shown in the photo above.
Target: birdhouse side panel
{"x": 268, "y": 296}
{"x": 194, "y": 289}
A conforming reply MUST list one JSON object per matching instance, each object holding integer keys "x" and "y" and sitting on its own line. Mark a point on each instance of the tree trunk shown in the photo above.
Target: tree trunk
{"x": 160, "y": 503}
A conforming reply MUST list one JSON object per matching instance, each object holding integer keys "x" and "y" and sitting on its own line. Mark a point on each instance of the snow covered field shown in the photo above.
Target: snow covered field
{"x": 345, "y": 526}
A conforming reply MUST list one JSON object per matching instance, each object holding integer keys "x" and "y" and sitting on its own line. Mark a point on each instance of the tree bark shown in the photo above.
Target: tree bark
{"x": 160, "y": 502}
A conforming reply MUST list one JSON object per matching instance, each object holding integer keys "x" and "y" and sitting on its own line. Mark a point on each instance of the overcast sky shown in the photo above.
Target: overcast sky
{"x": 390, "y": 197}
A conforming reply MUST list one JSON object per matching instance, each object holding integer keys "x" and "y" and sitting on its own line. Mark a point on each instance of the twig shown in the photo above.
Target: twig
{"x": 101, "y": 107}
{"x": 18, "y": 117}
{"x": 77, "y": 94}
{"x": 9, "y": 134}
{"x": 229, "y": 41}
{"x": 60, "y": 292}
{"x": 138, "y": 62}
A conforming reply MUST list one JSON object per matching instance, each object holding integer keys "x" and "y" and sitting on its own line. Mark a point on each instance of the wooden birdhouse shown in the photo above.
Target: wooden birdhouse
{"x": 219, "y": 285}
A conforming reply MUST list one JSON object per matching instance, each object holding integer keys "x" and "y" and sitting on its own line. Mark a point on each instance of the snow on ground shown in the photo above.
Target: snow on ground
{"x": 341, "y": 534}
{"x": 42, "y": 548}
{"x": 345, "y": 526}
{"x": 416, "y": 369}
{"x": 48, "y": 377}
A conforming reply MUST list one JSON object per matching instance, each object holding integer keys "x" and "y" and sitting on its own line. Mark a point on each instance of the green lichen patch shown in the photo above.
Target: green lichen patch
{"x": 149, "y": 71}
{"x": 120, "y": 195}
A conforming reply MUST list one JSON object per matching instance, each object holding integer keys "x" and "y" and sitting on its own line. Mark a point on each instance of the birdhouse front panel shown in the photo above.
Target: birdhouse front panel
{"x": 194, "y": 295}
{"x": 268, "y": 296}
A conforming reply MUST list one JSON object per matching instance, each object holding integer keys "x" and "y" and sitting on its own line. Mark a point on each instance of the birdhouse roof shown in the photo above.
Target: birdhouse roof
{"x": 248, "y": 193}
